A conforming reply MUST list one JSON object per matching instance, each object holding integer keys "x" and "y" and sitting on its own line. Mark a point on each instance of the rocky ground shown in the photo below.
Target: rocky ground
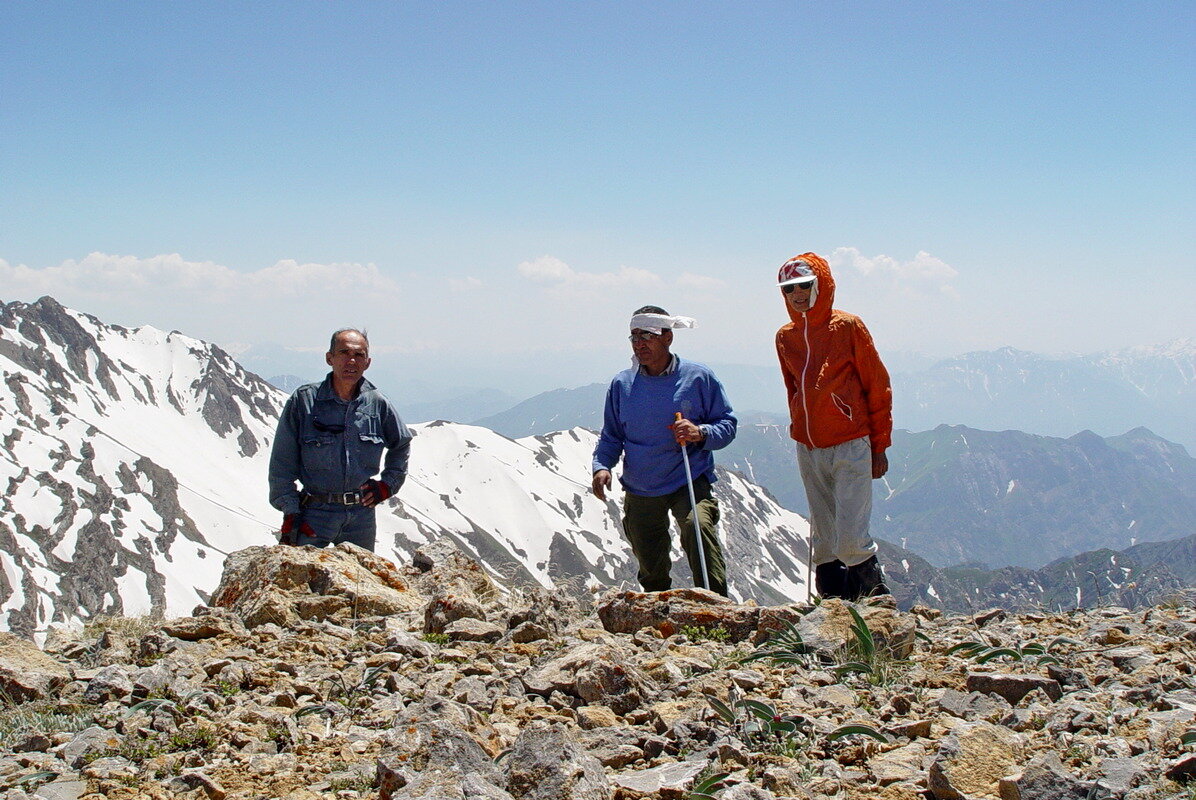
{"x": 334, "y": 674}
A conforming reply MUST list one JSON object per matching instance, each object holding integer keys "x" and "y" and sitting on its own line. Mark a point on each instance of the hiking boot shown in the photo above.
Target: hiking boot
{"x": 830, "y": 579}
{"x": 865, "y": 580}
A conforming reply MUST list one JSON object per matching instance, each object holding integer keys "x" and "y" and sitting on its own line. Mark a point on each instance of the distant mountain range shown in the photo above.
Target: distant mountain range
{"x": 1137, "y": 576}
{"x": 1013, "y": 389}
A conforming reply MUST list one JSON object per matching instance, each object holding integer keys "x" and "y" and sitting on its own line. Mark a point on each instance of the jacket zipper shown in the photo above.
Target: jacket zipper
{"x": 805, "y": 331}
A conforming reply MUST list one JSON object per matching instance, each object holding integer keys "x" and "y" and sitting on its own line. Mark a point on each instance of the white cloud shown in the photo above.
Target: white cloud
{"x": 921, "y": 274}
{"x": 103, "y": 274}
{"x": 551, "y": 270}
{"x": 466, "y": 284}
{"x": 702, "y": 283}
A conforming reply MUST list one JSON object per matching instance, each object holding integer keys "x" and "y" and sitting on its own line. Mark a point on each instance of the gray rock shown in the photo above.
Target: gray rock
{"x": 112, "y": 683}
{"x": 746, "y": 791}
{"x": 1119, "y": 775}
{"x": 619, "y": 686}
{"x": 473, "y": 630}
{"x": 63, "y": 788}
{"x": 673, "y": 779}
{"x": 1011, "y": 686}
{"x": 88, "y": 741}
{"x": 974, "y": 705}
{"x": 1044, "y": 778}
{"x": 545, "y": 764}
{"x": 475, "y": 787}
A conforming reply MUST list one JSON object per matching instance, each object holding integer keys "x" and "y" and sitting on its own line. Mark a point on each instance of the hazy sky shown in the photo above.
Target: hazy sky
{"x": 492, "y": 188}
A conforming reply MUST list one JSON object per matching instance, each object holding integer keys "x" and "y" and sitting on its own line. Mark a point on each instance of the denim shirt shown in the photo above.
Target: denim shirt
{"x": 330, "y": 445}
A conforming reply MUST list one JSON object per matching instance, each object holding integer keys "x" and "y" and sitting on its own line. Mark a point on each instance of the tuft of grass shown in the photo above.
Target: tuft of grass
{"x": 39, "y": 716}
{"x": 131, "y": 627}
{"x": 439, "y": 639}
{"x": 711, "y": 633}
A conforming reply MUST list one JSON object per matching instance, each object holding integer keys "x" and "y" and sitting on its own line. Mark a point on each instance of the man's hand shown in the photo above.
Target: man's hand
{"x": 686, "y": 432}
{"x": 374, "y": 492}
{"x": 880, "y": 465}
{"x": 292, "y": 528}
{"x": 601, "y": 483}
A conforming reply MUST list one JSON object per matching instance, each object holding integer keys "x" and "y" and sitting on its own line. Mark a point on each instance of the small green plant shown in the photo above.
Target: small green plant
{"x": 712, "y": 633}
{"x": 227, "y": 688}
{"x": 200, "y": 737}
{"x": 707, "y": 785}
{"x": 34, "y": 779}
{"x": 358, "y": 783}
{"x": 784, "y": 647}
{"x": 45, "y": 717}
{"x": 866, "y": 657}
{"x": 439, "y": 639}
{"x": 759, "y": 723}
{"x": 348, "y": 690}
{"x": 856, "y": 730}
{"x": 982, "y": 653}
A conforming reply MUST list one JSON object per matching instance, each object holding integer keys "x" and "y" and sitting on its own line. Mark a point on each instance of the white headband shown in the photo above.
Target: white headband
{"x": 656, "y": 323}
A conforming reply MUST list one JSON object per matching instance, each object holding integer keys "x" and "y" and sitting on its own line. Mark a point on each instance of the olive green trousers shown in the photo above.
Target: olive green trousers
{"x": 646, "y": 523}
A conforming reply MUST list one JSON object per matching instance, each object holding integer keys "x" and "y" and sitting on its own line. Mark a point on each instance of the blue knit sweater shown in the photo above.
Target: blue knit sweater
{"x": 639, "y": 410}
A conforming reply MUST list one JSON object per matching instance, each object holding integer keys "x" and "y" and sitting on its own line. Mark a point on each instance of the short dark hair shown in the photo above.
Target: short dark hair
{"x": 650, "y": 310}
{"x": 339, "y": 331}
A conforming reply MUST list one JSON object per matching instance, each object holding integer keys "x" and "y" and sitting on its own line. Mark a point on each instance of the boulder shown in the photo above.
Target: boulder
{"x": 972, "y": 760}
{"x": 1044, "y": 778}
{"x": 284, "y": 584}
{"x": 26, "y": 673}
{"x": 828, "y": 628}
{"x": 668, "y": 780}
{"x": 1012, "y": 687}
{"x": 545, "y": 764}
{"x": 668, "y": 612}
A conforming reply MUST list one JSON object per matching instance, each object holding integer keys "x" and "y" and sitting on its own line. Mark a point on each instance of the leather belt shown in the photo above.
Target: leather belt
{"x": 334, "y": 498}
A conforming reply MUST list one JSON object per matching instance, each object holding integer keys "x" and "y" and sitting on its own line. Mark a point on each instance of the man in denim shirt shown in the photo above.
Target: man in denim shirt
{"x": 330, "y": 439}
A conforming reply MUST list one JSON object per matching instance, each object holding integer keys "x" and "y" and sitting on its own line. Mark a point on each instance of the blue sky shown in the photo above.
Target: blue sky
{"x": 491, "y": 188}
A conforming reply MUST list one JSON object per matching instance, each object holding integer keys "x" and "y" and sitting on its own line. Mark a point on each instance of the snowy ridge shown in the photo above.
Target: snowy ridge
{"x": 134, "y": 460}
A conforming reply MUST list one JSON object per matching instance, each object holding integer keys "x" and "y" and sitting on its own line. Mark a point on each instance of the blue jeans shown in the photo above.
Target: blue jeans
{"x": 355, "y": 524}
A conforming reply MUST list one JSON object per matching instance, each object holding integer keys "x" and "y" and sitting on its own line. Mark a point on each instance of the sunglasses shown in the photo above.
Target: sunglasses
{"x": 642, "y": 337}
{"x": 803, "y": 286}
{"x": 324, "y": 427}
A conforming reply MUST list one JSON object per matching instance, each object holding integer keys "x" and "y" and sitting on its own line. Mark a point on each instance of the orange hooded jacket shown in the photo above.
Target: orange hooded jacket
{"x": 838, "y": 388}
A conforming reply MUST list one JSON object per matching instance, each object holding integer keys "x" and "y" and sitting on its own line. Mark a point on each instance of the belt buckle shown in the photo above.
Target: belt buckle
{"x": 350, "y": 499}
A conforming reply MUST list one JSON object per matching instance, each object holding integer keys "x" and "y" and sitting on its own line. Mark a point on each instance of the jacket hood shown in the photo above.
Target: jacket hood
{"x": 820, "y": 311}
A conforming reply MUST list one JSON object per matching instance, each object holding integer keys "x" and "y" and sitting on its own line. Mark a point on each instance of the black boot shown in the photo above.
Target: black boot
{"x": 830, "y": 579}
{"x": 865, "y": 580}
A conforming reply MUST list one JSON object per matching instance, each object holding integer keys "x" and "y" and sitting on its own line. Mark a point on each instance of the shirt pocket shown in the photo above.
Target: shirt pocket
{"x": 369, "y": 441}
{"x": 319, "y": 452}
{"x": 843, "y": 406}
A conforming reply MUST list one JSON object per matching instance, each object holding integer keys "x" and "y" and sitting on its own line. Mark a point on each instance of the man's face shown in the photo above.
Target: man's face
{"x": 798, "y": 296}
{"x": 349, "y": 358}
{"x": 650, "y": 349}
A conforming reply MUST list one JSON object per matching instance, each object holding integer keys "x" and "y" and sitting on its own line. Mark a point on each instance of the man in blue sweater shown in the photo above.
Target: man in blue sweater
{"x": 640, "y": 424}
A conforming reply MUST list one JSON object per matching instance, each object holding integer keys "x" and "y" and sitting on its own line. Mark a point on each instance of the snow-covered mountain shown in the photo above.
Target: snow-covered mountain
{"x": 135, "y": 460}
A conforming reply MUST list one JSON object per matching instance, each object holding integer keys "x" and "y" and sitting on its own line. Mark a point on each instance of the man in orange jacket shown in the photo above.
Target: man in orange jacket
{"x": 841, "y": 411}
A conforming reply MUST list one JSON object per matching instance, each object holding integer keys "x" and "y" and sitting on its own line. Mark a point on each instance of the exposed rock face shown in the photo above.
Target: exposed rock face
{"x": 284, "y": 585}
{"x": 358, "y": 704}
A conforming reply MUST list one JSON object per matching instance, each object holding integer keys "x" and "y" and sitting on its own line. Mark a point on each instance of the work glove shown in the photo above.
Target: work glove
{"x": 374, "y": 492}
{"x": 292, "y": 528}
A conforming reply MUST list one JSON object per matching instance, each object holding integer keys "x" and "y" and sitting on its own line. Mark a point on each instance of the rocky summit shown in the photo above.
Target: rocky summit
{"x": 335, "y": 674}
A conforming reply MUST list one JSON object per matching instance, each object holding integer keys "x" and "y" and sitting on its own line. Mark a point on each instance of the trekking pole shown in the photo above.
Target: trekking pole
{"x": 693, "y": 504}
